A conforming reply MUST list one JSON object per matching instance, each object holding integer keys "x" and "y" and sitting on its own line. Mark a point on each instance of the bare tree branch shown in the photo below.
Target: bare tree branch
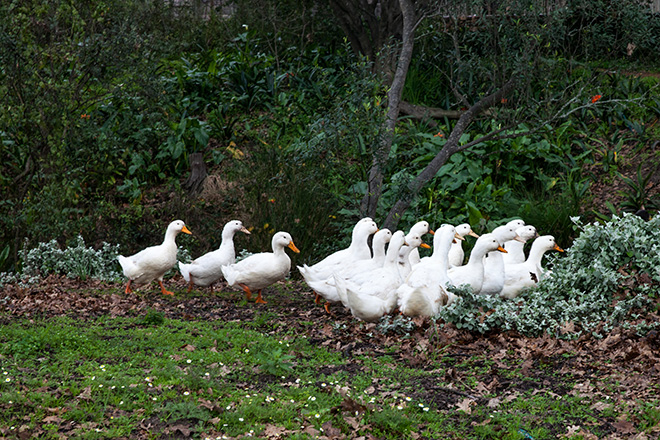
{"x": 452, "y": 146}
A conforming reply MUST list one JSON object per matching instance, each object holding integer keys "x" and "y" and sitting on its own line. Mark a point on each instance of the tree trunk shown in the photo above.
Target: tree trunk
{"x": 197, "y": 173}
{"x": 382, "y": 150}
{"x": 452, "y": 146}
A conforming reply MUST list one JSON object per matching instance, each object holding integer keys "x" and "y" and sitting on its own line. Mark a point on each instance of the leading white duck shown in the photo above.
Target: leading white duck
{"x": 207, "y": 269}
{"x": 261, "y": 270}
{"x": 494, "y": 263}
{"x": 456, "y": 253}
{"x": 424, "y": 292}
{"x": 153, "y": 262}
{"x": 472, "y": 273}
{"x": 522, "y": 276}
{"x": 376, "y": 295}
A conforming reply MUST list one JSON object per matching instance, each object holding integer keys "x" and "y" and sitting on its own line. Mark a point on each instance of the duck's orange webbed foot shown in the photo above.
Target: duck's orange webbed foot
{"x": 164, "y": 290}
{"x": 248, "y": 293}
{"x": 260, "y": 300}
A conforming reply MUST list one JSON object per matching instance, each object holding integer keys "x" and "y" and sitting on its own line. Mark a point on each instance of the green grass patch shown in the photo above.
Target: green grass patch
{"x": 124, "y": 377}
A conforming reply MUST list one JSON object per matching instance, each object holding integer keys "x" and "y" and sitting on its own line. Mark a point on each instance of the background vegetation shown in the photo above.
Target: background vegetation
{"x": 104, "y": 104}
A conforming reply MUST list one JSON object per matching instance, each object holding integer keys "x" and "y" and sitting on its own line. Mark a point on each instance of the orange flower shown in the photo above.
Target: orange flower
{"x": 596, "y": 98}
{"x": 84, "y": 116}
{"x": 504, "y": 100}
{"x": 439, "y": 134}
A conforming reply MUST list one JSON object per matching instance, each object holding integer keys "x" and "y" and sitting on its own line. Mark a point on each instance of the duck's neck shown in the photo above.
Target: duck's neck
{"x": 227, "y": 243}
{"x": 536, "y": 253}
{"x": 170, "y": 237}
{"x": 359, "y": 245}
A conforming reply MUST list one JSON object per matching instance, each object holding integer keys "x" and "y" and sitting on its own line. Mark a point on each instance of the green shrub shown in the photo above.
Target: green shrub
{"x": 77, "y": 261}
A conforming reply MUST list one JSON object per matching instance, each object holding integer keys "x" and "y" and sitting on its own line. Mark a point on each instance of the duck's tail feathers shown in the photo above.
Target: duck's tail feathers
{"x": 185, "y": 271}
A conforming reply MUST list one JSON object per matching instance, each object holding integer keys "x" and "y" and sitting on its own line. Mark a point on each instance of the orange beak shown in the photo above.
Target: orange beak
{"x": 293, "y": 247}
{"x": 186, "y": 230}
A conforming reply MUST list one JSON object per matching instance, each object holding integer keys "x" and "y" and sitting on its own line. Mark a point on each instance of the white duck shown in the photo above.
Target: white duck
{"x": 472, "y": 273}
{"x": 424, "y": 292}
{"x": 456, "y": 253}
{"x": 376, "y": 295}
{"x": 151, "y": 263}
{"x": 357, "y": 250}
{"x": 327, "y": 288}
{"x": 521, "y": 276}
{"x": 261, "y": 270}
{"x": 493, "y": 262}
{"x": 379, "y": 244}
{"x": 515, "y": 252}
{"x": 419, "y": 228}
{"x": 413, "y": 242}
{"x": 206, "y": 269}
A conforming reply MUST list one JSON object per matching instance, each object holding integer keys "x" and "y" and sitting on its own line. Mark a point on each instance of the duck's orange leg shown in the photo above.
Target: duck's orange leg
{"x": 190, "y": 284}
{"x": 248, "y": 293}
{"x": 163, "y": 289}
{"x": 260, "y": 300}
{"x": 128, "y": 287}
{"x": 326, "y": 308}
{"x": 317, "y": 299}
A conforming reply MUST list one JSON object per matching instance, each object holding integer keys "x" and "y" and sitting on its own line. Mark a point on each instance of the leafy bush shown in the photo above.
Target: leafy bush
{"x": 605, "y": 279}
{"x": 77, "y": 261}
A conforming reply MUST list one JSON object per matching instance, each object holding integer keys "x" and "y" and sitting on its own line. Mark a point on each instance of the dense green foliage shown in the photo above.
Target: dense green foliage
{"x": 103, "y": 104}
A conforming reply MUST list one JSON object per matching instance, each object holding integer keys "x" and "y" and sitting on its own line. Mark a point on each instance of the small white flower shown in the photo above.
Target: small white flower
{"x": 426, "y": 408}
{"x": 323, "y": 384}
{"x": 317, "y": 415}
{"x": 399, "y": 407}
{"x": 206, "y": 374}
{"x": 121, "y": 403}
{"x": 188, "y": 361}
{"x": 154, "y": 398}
{"x": 240, "y": 419}
{"x": 8, "y": 379}
{"x": 100, "y": 385}
{"x": 228, "y": 407}
{"x": 408, "y": 399}
{"x": 247, "y": 350}
{"x": 185, "y": 393}
{"x": 148, "y": 379}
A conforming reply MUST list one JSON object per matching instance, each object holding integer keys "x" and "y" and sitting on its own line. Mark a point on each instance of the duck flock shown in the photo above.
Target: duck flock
{"x": 371, "y": 281}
